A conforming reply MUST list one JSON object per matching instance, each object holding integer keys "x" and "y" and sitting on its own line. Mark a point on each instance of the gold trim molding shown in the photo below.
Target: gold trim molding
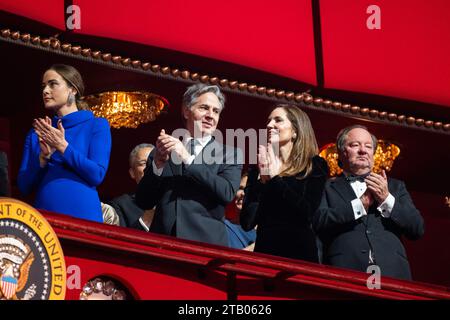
{"x": 289, "y": 96}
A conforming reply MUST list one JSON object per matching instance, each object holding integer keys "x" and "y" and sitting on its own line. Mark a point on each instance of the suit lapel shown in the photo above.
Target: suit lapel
{"x": 176, "y": 169}
{"x": 344, "y": 189}
{"x": 208, "y": 153}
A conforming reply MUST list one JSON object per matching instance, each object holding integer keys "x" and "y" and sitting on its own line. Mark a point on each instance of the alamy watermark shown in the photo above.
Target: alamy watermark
{"x": 239, "y": 145}
{"x": 73, "y": 277}
{"x": 373, "y": 22}
{"x": 74, "y": 19}
{"x": 374, "y": 280}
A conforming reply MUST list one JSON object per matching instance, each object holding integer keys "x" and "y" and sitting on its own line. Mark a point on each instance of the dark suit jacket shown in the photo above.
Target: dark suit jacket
{"x": 128, "y": 211}
{"x": 190, "y": 200}
{"x": 347, "y": 241}
{"x": 283, "y": 209}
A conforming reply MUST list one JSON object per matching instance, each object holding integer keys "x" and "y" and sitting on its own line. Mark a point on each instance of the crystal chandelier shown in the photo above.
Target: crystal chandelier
{"x": 383, "y": 158}
{"x": 126, "y": 109}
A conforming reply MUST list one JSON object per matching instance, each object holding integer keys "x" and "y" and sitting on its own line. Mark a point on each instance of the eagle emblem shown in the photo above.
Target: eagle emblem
{"x": 16, "y": 259}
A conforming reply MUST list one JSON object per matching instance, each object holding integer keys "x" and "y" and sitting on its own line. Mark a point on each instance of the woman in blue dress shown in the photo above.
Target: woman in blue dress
{"x": 66, "y": 158}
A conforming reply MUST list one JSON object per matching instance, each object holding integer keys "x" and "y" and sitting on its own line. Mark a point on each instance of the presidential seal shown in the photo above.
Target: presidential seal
{"x": 32, "y": 263}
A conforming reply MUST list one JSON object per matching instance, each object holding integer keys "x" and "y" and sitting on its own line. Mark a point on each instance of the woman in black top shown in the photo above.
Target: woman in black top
{"x": 291, "y": 180}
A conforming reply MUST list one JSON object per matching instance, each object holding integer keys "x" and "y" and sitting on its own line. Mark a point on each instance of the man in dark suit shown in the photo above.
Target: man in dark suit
{"x": 363, "y": 215}
{"x": 128, "y": 212}
{"x": 191, "y": 181}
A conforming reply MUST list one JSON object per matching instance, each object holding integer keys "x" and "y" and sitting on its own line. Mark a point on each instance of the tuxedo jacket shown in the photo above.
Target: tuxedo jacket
{"x": 346, "y": 241}
{"x": 190, "y": 200}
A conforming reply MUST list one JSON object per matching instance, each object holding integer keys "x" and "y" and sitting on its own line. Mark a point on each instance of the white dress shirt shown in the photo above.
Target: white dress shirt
{"x": 358, "y": 208}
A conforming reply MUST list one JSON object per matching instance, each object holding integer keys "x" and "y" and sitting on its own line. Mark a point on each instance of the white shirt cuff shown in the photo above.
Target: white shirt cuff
{"x": 189, "y": 160}
{"x": 143, "y": 225}
{"x": 358, "y": 208}
{"x": 157, "y": 171}
{"x": 386, "y": 207}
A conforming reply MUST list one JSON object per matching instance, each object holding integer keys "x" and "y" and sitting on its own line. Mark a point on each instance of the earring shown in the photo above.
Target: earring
{"x": 294, "y": 136}
{"x": 70, "y": 99}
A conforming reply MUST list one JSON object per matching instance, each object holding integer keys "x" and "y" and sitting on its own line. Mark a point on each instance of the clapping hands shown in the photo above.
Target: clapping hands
{"x": 269, "y": 163}
{"x": 378, "y": 186}
{"x": 50, "y": 138}
{"x": 165, "y": 145}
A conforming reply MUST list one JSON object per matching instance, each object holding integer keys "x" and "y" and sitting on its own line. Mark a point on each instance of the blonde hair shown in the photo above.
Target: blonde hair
{"x": 304, "y": 144}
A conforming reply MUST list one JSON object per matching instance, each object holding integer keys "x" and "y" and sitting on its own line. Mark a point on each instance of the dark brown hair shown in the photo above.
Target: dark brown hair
{"x": 74, "y": 80}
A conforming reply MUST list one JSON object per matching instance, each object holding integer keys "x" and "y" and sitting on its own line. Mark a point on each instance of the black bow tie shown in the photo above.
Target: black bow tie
{"x": 353, "y": 178}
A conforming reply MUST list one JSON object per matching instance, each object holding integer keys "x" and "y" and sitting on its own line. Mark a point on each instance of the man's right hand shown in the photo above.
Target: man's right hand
{"x": 367, "y": 199}
{"x": 161, "y": 153}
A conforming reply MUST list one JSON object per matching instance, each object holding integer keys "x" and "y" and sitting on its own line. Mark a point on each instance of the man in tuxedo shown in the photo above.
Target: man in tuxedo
{"x": 191, "y": 181}
{"x": 128, "y": 212}
{"x": 363, "y": 215}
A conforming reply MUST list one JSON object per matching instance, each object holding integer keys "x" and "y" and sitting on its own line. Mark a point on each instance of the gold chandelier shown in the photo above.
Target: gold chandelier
{"x": 126, "y": 109}
{"x": 383, "y": 159}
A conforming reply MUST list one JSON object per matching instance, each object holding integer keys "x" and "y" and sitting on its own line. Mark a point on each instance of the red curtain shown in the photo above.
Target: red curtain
{"x": 407, "y": 58}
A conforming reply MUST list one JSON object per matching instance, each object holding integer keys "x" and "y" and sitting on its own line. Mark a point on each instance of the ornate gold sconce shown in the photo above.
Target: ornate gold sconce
{"x": 126, "y": 109}
{"x": 383, "y": 159}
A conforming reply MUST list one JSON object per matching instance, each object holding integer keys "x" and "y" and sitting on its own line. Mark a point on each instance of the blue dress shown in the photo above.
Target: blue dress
{"x": 67, "y": 184}
{"x": 238, "y": 238}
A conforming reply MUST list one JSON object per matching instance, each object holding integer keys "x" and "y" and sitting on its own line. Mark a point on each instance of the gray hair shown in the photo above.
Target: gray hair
{"x": 193, "y": 92}
{"x": 136, "y": 149}
{"x": 342, "y": 136}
